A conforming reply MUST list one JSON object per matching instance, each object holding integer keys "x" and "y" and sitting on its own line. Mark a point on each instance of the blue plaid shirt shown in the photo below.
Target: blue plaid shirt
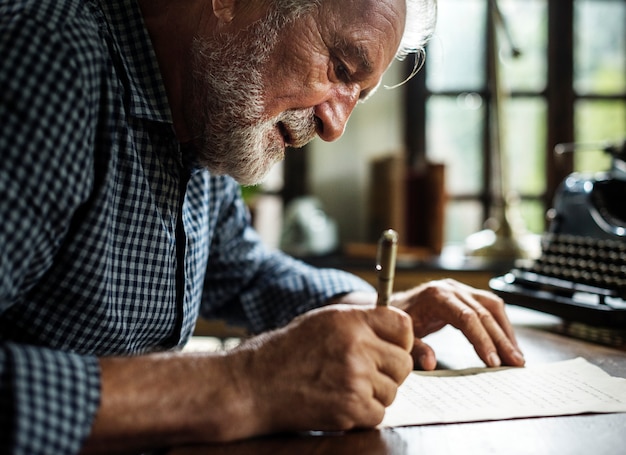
{"x": 111, "y": 241}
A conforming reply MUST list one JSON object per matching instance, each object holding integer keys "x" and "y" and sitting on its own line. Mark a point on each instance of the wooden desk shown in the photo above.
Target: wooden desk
{"x": 539, "y": 338}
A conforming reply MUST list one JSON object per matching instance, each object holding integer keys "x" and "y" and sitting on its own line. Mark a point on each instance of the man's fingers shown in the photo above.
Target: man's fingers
{"x": 492, "y": 344}
{"x": 479, "y": 314}
{"x": 385, "y": 389}
{"x": 394, "y": 332}
{"x": 505, "y": 349}
{"x": 423, "y": 355}
{"x": 481, "y": 317}
{"x": 491, "y": 314}
{"x": 478, "y": 326}
{"x": 392, "y": 325}
{"x": 394, "y": 362}
{"x": 495, "y": 305}
{"x": 472, "y": 325}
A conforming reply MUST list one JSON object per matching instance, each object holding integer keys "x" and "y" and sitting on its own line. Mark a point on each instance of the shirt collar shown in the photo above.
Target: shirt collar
{"x": 147, "y": 96}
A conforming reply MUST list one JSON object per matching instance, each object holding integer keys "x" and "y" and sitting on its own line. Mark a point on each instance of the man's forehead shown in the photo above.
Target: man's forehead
{"x": 359, "y": 29}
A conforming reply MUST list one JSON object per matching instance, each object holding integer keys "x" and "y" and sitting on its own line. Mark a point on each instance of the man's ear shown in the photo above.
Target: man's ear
{"x": 224, "y": 10}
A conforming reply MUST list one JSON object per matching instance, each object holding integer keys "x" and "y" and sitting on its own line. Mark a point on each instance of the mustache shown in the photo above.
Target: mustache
{"x": 299, "y": 126}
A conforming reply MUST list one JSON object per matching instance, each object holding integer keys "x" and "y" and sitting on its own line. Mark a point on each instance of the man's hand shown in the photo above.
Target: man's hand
{"x": 335, "y": 368}
{"x": 478, "y": 314}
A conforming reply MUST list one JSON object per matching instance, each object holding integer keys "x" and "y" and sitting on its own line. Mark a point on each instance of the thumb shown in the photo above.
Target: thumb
{"x": 423, "y": 355}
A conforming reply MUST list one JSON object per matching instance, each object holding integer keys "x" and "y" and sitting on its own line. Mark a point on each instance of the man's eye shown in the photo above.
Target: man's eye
{"x": 342, "y": 71}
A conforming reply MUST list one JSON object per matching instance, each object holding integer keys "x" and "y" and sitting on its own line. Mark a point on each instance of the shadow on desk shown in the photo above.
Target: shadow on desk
{"x": 364, "y": 442}
{"x": 584, "y": 435}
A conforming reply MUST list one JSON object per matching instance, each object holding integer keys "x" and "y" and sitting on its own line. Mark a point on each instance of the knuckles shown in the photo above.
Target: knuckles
{"x": 467, "y": 317}
{"x": 358, "y": 412}
{"x": 435, "y": 291}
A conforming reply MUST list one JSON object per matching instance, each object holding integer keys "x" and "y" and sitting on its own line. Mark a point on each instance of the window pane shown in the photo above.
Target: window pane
{"x": 527, "y": 22}
{"x": 453, "y": 131}
{"x": 525, "y": 144}
{"x": 600, "y": 46}
{"x": 462, "y": 219}
{"x": 598, "y": 122}
{"x": 456, "y": 52}
{"x": 534, "y": 216}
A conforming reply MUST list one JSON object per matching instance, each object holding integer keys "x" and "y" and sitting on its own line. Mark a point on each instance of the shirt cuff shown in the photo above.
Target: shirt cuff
{"x": 54, "y": 397}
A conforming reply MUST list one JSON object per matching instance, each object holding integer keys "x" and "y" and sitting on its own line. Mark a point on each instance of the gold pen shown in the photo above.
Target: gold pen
{"x": 386, "y": 265}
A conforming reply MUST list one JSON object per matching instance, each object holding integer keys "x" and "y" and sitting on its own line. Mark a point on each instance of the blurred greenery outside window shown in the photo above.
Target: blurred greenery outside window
{"x": 457, "y": 100}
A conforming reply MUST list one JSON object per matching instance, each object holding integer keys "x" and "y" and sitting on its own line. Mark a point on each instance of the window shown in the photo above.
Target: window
{"x": 568, "y": 84}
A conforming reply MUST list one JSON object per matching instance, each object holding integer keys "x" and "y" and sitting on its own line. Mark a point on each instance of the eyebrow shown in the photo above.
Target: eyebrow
{"x": 356, "y": 53}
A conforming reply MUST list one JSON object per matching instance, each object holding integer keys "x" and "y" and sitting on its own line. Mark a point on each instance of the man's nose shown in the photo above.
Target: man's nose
{"x": 333, "y": 113}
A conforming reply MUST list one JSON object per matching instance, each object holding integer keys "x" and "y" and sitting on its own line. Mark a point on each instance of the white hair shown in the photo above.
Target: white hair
{"x": 421, "y": 16}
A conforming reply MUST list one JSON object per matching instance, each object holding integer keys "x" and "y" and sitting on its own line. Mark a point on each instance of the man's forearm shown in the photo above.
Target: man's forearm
{"x": 167, "y": 399}
{"x": 340, "y": 366}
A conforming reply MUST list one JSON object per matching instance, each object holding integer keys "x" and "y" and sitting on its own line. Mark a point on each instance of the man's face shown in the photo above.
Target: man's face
{"x": 265, "y": 88}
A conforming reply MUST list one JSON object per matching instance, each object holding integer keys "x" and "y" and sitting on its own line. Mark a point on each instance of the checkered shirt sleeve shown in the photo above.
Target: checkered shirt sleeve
{"x": 47, "y": 398}
{"x": 251, "y": 285}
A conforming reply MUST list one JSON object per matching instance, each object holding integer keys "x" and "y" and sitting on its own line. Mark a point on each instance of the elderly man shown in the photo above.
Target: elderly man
{"x": 125, "y": 126}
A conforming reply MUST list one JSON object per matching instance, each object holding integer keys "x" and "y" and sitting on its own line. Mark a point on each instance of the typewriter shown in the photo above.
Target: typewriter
{"x": 580, "y": 275}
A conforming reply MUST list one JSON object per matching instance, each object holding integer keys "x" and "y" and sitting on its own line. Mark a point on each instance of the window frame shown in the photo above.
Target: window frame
{"x": 559, "y": 95}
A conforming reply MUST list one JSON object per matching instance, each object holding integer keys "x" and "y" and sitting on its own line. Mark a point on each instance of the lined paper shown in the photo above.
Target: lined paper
{"x": 562, "y": 388}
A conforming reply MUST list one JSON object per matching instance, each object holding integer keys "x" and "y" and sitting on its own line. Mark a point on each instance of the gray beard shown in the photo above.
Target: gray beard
{"x": 226, "y": 105}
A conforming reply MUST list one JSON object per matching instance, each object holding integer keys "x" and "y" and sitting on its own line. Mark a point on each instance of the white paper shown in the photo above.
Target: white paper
{"x": 562, "y": 388}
